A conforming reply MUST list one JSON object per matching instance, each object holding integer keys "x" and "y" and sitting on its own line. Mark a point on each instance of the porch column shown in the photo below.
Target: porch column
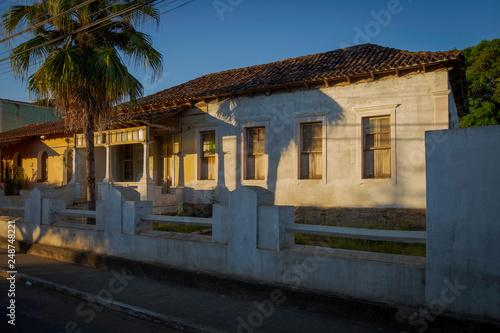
{"x": 145, "y": 172}
{"x": 74, "y": 179}
{"x": 109, "y": 174}
{"x": 165, "y": 170}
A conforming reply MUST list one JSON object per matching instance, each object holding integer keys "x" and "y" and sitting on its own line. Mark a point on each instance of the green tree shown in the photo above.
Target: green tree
{"x": 75, "y": 55}
{"x": 483, "y": 82}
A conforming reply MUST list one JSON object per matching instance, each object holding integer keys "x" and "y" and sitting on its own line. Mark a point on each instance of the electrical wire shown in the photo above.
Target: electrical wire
{"x": 128, "y": 9}
{"x": 102, "y": 20}
{"x": 46, "y": 21}
{"x": 93, "y": 23}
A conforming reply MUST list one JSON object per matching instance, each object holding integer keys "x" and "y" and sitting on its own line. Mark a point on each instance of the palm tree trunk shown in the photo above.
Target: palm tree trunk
{"x": 90, "y": 161}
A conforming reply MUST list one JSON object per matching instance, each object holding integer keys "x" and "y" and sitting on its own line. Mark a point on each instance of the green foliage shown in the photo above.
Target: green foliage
{"x": 182, "y": 228}
{"x": 19, "y": 179}
{"x": 14, "y": 179}
{"x": 362, "y": 245}
{"x": 483, "y": 77}
{"x": 180, "y": 209}
{"x": 8, "y": 181}
{"x": 75, "y": 60}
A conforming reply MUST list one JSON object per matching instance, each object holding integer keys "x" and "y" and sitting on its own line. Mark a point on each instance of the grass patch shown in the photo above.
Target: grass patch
{"x": 187, "y": 229}
{"x": 409, "y": 249}
{"x": 362, "y": 245}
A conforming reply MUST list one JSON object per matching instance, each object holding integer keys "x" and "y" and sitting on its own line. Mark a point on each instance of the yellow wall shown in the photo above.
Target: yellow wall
{"x": 54, "y": 145}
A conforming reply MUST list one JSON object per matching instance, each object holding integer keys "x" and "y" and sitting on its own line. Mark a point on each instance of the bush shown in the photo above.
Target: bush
{"x": 19, "y": 180}
{"x": 8, "y": 185}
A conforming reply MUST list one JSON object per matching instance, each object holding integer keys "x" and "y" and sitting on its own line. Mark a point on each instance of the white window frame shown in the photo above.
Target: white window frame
{"x": 369, "y": 112}
{"x": 245, "y": 125}
{"x": 199, "y": 151}
{"x": 298, "y": 137}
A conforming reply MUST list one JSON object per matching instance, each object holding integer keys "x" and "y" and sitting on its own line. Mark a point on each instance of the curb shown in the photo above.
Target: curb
{"x": 170, "y": 321}
{"x": 390, "y": 315}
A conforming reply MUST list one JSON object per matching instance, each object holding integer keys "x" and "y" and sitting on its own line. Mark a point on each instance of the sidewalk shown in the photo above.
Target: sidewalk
{"x": 184, "y": 308}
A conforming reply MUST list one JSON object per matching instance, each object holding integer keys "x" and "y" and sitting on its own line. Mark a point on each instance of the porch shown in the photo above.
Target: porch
{"x": 122, "y": 155}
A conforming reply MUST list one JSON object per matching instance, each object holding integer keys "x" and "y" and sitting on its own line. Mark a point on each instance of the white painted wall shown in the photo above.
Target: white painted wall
{"x": 463, "y": 221}
{"x": 417, "y": 103}
{"x": 238, "y": 247}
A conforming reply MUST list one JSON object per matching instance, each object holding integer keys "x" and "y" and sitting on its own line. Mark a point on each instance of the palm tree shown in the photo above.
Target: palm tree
{"x": 75, "y": 57}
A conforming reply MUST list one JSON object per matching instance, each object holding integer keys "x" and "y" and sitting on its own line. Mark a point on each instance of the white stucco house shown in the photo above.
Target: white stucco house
{"x": 338, "y": 129}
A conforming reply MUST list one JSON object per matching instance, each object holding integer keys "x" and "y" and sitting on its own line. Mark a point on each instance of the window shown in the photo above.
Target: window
{"x": 255, "y": 153}
{"x": 44, "y": 167}
{"x": 311, "y": 146}
{"x": 207, "y": 171}
{"x": 128, "y": 162}
{"x": 377, "y": 147}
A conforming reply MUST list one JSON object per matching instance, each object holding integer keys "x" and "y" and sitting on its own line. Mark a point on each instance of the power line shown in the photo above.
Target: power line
{"x": 95, "y": 23}
{"x": 8, "y": 51}
{"x": 47, "y": 20}
{"x": 107, "y": 18}
{"x": 79, "y": 6}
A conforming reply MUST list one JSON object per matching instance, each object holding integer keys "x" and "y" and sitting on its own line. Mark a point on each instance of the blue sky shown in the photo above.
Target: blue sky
{"x": 208, "y": 36}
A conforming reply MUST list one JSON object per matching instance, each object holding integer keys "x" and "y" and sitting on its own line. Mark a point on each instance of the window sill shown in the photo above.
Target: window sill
{"x": 376, "y": 181}
{"x": 254, "y": 182}
{"x": 311, "y": 181}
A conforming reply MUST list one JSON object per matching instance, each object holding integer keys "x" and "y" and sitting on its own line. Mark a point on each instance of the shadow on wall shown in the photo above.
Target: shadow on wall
{"x": 32, "y": 162}
{"x": 282, "y": 116}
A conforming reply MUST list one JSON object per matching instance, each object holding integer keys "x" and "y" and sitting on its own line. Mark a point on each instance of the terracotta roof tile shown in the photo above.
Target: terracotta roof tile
{"x": 360, "y": 59}
{"x": 58, "y": 126}
{"x": 46, "y": 128}
{"x": 150, "y": 115}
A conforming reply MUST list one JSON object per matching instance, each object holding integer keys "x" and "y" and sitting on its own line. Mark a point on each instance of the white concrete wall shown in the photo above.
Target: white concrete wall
{"x": 254, "y": 255}
{"x": 416, "y": 103}
{"x": 463, "y": 221}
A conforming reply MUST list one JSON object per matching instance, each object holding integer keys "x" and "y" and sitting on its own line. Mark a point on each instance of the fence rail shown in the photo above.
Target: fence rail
{"x": 369, "y": 234}
{"x": 76, "y": 213}
{"x": 200, "y": 221}
{"x": 18, "y": 208}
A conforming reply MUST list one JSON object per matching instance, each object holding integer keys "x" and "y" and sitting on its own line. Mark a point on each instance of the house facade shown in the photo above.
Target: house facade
{"x": 44, "y": 151}
{"x": 15, "y": 114}
{"x": 339, "y": 129}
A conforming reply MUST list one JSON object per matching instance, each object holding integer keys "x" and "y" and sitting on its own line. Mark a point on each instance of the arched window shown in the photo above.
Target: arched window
{"x": 17, "y": 161}
{"x": 44, "y": 166}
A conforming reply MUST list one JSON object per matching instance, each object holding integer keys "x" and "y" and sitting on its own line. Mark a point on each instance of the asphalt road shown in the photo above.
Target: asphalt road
{"x": 39, "y": 310}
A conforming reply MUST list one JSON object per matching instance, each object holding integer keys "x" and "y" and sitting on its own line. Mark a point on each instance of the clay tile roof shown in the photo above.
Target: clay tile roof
{"x": 151, "y": 115}
{"x": 58, "y": 126}
{"x": 356, "y": 60}
{"x": 28, "y": 131}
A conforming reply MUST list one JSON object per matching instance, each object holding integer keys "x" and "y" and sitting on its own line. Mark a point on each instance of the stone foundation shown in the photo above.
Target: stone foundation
{"x": 383, "y": 218}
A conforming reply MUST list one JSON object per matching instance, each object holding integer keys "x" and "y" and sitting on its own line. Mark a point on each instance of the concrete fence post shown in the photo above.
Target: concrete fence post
{"x": 133, "y": 211}
{"x": 272, "y": 222}
{"x": 123, "y": 211}
{"x": 100, "y": 215}
{"x": 49, "y": 206}
{"x": 462, "y": 271}
{"x": 35, "y": 204}
{"x": 220, "y": 223}
{"x": 113, "y": 211}
{"x": 243, "y": 225}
